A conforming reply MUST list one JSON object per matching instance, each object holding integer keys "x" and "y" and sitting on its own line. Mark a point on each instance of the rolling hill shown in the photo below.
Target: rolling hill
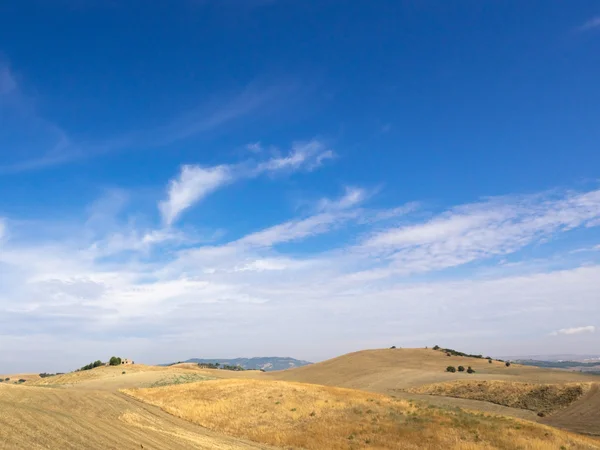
{"x": 392, "y": 370}
{"x": 305, "y": 407}
{"x": 397, "y": 371}
{"x": 306, "y": 416}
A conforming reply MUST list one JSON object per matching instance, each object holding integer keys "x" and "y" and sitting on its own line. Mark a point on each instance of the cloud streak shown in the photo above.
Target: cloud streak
{"x": 576, "y": 330}
{"x": 159, "y": 289}
{"x": 57, "y": 147}
{"x": 482, "y": 230}
{"x": 192, "y": 185}
{"x": 194, "y": 182}
{"x": 591, "y": 24}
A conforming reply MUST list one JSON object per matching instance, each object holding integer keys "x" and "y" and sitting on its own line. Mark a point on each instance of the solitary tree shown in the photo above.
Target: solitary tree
{"x": 507, "y": 364}
{"x": 470, "y": 370}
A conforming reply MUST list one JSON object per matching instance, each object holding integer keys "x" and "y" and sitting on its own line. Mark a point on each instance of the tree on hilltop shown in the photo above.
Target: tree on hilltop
{"x": 114, "y": 361}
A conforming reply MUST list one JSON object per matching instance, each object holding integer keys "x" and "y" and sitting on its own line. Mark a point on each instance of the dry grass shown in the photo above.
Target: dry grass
{"x": 389, "y": 370}
{"x": 110, "y": 375}
{"x": 15, "y": 377}
{"x": 33, "y": 418}
{"x": 101, "y": 372}
{"x": 181, "y": 379}
{"x": 294, "y": 415}
{"x": 541, "y": 398}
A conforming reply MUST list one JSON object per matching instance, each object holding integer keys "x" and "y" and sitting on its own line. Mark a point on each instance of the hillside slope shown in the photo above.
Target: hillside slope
{"x": 42, "y": 418}
{"x": 391, "y": 370}
{"x": 308, "y": 416}
{"x": 583, "y": 416}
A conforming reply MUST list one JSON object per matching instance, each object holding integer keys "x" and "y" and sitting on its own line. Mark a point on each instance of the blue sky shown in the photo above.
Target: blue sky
{"x": 207, "y": 178}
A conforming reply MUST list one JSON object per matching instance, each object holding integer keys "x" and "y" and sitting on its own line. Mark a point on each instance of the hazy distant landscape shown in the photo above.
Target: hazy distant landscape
{"x": 267, "y": 363}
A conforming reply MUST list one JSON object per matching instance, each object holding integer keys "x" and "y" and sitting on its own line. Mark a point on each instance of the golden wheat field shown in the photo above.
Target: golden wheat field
{"x": 34, "y": 418}
{"x": 296, "y": 415}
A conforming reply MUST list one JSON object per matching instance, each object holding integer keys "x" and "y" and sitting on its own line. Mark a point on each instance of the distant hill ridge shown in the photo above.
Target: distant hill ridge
{"x": 266, "y": 363}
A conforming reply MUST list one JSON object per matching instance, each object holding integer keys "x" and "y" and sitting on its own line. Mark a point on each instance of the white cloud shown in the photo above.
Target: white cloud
{"x": 590, "y": 24}
{"x": 196, "y": 182}
{"x": 482, "y": 230}
{"x": 352, "y": 197}
{"x": 162, "y": 291}
{"x": 255, "y": 147}
{"x": 192, "y": 185}
{"x": 309, "y": 155}
{"x": 292, "y": 230}
{"x": 576, "y": 330}
{"x": 2, "y": 228}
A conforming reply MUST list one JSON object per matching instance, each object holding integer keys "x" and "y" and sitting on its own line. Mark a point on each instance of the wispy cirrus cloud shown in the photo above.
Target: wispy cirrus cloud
{"x": 591, "y": 24}
{"x": 191, "y": 186}
{"x": 195, "y": 182}
{"x": 159, "y": 288}
{"x": 309, "y": 155}
{"x": 482, "y": 230}
{"x": 575, "y": 330}
{"x": 50, "y": 145}
{"x": 352, "y": 197}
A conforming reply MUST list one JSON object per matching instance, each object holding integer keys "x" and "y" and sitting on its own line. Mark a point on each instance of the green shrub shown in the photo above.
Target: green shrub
{"x": 450, "y": 369}
{"x": 490, "y": 361}
{"x": 507, "y": 364}
{"x": 452, "y": 352}
{"x": 461, "y": 369}
{"x": 470, "y": 370}
{"x": 114, "y": 361}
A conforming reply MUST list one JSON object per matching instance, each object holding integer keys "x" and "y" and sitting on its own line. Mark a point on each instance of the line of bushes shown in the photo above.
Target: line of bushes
{"x": 452, "y": 369}
{"x": 452, "y": 352}
{"x": 219, "y": 366}
{"x": 113, "y": 361}
{"x": 46, "y": 375}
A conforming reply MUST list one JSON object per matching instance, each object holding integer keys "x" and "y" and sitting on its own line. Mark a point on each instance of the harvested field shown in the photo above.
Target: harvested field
{"x": 42, "y": 418}
{"x": 295, "y": 415}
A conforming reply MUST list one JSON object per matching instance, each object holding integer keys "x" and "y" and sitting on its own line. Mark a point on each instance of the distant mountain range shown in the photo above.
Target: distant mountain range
{"x": 556, "y": 357}
{"x": 266, "y": 363}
